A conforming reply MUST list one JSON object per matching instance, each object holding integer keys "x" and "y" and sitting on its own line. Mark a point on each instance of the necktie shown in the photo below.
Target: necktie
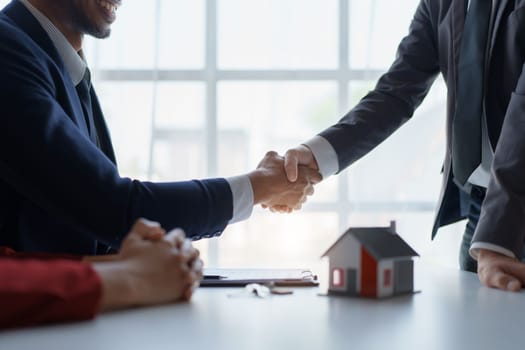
{"x": 466, "y": 128}
{"x": 84, "y": 93}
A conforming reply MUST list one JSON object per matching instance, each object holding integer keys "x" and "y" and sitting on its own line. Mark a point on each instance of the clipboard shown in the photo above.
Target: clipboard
{"x": 239, "y": 277}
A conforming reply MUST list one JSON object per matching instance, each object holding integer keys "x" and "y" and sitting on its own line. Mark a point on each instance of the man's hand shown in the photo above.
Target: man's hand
{"x": 499, "y": 271}
{"x": 293, "y": 158}
{"x": 272, "y": 188}
{"x": 150, "y": 269}
{"x": 149, "y": 230}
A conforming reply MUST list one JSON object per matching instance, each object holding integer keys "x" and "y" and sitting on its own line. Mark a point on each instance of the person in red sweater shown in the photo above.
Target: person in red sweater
{"x": 151, "y": 268}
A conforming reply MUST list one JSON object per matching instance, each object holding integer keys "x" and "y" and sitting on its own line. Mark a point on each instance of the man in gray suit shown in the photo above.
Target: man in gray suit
{"x": 479, "y": 48}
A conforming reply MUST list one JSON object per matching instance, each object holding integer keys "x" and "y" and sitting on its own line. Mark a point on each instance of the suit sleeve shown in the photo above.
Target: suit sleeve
{"x": 34, "y": 292}
{"x": 502, "y": 218}
{"x": 47, "y": 160}
{"x": 397, "y": 94}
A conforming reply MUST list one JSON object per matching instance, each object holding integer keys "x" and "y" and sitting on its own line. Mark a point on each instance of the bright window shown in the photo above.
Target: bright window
{"x": 202, "y": 88}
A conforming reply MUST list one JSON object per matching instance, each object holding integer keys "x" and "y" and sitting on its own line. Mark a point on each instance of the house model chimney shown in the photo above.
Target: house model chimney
{"x": 393, "y": 226}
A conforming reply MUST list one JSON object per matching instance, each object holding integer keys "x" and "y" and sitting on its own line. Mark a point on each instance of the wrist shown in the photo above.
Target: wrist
{"x": 259, "y": 189}
{"x": 487, "y": 255}
{"x": 117, "y": 285}
{"x": 483, "y": 253}
{"x": 309, "y": 154}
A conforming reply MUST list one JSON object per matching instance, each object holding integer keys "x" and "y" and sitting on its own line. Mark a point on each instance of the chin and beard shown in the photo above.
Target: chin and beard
{"x": 80, "y": 21}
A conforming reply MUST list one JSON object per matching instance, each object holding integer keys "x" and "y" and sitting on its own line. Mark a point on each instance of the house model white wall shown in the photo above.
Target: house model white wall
{"x": 371, "y": 262}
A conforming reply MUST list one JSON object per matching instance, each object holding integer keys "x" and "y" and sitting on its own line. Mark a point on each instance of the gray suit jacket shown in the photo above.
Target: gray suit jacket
{"x": 502, "y": 220}
{"x": 432, "y": 47}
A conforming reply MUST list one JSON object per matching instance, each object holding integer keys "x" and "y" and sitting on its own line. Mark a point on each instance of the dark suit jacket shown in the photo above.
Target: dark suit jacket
{"x": 58, "y": 191}
{"x": 502, "y": 220}
{"x": 432, "y": 47}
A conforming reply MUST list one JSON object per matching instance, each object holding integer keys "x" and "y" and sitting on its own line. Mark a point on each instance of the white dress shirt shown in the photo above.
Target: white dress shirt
{"x": 76, "y": 66}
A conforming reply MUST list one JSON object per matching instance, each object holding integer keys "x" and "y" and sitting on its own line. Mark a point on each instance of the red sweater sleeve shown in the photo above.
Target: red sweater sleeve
{"x": 8, "y": 252}
{"x": 35, "y": 291}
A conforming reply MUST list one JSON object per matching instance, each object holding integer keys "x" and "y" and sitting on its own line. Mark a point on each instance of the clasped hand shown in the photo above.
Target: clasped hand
{"x": 273, "y": 187}
{"x": 152, "y": 267}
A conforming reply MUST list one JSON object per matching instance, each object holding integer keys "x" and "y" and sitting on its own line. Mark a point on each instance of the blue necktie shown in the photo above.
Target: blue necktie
{"x": 466, "y": 128}
{"x": 84, "y": 93}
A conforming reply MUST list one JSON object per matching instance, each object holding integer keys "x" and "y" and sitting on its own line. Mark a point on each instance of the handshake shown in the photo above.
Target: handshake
{"x": 283, "y": 184}
{"x": 155, "y": 267}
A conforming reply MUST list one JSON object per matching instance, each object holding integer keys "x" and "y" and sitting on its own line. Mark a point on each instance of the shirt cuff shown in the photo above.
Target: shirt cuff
{"x": 324, "y": 154}
{"x": 242, "y": 193}
{"x": 476, "y": 246}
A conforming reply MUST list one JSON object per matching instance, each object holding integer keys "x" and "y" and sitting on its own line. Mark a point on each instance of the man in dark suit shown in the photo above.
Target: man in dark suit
{"x": 479, "y": 48}
{"x": 60, "y": 190}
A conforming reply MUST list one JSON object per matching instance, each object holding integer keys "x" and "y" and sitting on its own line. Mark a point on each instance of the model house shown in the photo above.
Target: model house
{"x": 371, "y": 262}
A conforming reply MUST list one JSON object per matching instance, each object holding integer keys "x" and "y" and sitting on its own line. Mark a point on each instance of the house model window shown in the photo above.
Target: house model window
{"x": 371, "y": 262}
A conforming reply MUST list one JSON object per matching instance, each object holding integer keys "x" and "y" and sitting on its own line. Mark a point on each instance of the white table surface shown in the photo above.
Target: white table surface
{"x": 453, "y": 311}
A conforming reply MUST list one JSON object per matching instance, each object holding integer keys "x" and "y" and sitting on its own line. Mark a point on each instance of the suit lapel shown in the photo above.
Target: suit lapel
{"x": 458, "y": 24}
{"x": 500, "y": 11}
{"x": 21, "y": 16}
{"x": 459, "y": 13}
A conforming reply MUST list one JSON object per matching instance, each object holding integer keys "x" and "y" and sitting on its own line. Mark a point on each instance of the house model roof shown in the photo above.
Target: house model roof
{"x": 380, "y": 242}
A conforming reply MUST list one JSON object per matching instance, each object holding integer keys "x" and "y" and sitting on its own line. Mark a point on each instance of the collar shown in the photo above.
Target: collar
{"x": 73, "y": 61}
